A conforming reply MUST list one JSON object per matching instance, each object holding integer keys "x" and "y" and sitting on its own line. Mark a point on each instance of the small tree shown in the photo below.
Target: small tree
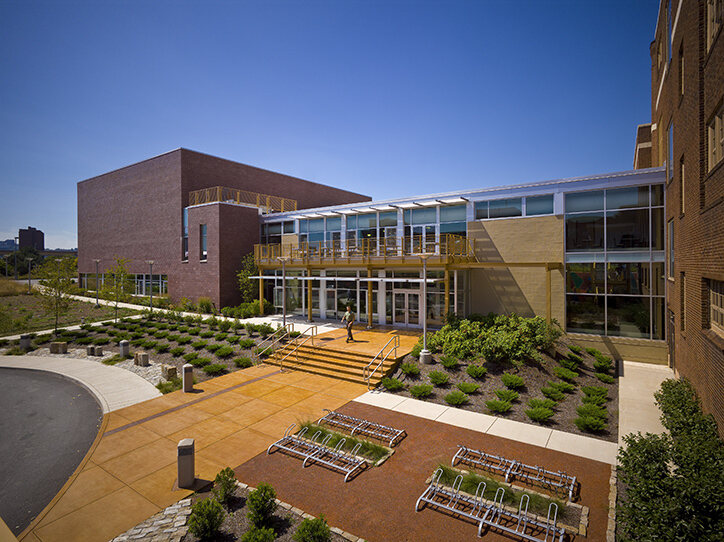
{"x": 249, "y": 287}
{"x": 56, "y": 286}
{"x": 117, "y": 285}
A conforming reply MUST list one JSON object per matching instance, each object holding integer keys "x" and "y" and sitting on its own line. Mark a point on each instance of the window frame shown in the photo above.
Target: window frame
{"x": 203, "y": 248}
{"x": 716, "y": 306}
{"x": 715, "y": 149}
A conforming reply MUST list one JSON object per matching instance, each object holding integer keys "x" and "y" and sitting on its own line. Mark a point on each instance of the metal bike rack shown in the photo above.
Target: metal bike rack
{"x": 514, "y": 469}
{"x": 362, "y": 427}
{"x": 316, "y": 450}
{"x": 452, "y": 500}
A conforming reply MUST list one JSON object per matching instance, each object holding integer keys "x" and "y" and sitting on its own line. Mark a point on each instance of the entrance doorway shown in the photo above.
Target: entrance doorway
{"x": 406, "y": 308}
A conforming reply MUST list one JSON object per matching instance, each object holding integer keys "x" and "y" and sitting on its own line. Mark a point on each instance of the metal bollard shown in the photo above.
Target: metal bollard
{"x": 186, "y": 454}
{"x": 188, "y": 378}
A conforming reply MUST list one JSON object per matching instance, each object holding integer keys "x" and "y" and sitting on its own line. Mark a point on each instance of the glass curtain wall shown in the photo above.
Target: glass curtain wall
{"x": 615, "y": 262}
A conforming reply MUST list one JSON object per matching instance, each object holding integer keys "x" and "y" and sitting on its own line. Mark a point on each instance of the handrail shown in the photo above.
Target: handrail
{"x": 288, "y": 328}
{"x": 266, "y": 202}
{"x": 365, "y": 373}
{"x": 313, "y": 330}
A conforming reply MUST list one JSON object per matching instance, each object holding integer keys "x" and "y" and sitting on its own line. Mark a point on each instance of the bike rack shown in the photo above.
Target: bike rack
{"x": 362, "y": 427}
{"x": 514, "y": 469}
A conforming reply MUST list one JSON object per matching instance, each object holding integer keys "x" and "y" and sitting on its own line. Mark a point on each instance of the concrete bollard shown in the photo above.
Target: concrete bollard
{"x": 98, "y": 350}
{"x": 186, "y": 467}
{"x": 124, "y": 349}
{"x": 58, "y": 348}
{"x": 90, "y": 350}
{"x": 168, "y": 371}
{"x": 426, "y": 357}
{"x": 140, "y": 359}
{"x": 25, "y": 342}
{"x": 188, "y": 378}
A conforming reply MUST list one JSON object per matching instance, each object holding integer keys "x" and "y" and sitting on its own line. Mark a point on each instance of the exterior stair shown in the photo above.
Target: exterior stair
{"x": 325, "y": 361}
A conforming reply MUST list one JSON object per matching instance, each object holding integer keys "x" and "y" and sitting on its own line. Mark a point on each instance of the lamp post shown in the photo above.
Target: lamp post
{"x": 425, "y": 354}
{"x": 150, "y": 272}
{"x": 97, "y": 285}
{"x": 15, "y": 256}
{"x": 30, "y": 263}
{"x": 284, "y": 259}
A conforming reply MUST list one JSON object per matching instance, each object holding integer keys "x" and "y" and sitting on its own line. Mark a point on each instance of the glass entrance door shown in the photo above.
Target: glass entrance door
{"x": 423, "y": 238}
{"x": 407, "y": 308}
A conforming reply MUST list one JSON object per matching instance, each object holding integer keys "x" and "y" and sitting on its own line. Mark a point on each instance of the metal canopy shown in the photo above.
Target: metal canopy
{"x": 348, "y": 279}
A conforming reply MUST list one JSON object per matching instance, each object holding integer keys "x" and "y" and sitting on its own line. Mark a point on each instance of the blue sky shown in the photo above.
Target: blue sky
{"x": 387, "y": 98}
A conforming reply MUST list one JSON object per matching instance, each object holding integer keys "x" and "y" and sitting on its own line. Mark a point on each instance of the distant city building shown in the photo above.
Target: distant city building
{"x": 8, "y": 244}
{"x": 31, "y": 238}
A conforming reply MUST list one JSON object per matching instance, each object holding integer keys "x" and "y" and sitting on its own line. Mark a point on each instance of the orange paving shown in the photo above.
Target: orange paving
{"x": 130, "y": 472}
{"x": 367, "y": 341}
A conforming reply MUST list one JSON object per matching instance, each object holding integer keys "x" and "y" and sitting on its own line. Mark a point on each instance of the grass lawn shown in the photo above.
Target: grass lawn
{"x": 21, "y": 313}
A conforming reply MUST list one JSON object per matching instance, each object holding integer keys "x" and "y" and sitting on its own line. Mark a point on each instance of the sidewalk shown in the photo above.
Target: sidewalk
{"x": 636, "y": 407}
{"x": 114, "y": 388}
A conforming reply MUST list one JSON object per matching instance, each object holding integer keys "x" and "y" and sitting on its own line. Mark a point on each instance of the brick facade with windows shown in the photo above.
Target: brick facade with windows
{"x": 136, "y": 213}
{"x": 687, "y": 93}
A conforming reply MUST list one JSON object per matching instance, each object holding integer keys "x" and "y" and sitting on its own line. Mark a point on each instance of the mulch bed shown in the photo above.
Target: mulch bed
{"x": 535, "y": 376}
{"x": 284, "y": 522}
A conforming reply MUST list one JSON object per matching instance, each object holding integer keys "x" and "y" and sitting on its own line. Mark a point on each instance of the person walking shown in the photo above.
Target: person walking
{"x": 349, "y": 319}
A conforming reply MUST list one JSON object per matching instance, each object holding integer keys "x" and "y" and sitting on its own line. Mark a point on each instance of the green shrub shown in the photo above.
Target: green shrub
{"x": 204, "y": 305}
{"x": 162, "y": 348}
{"x": 392, "y": 384}
{"x": 511, "y": 381}
{"x": 605, "y": 378}
{"x": 552, "y": 393}
{"x": 16, "y": 351}
{"x": 161, "y": 334}
{"x": 259, "y": 534}
{"x": 101, "y": 340}
{"x": 86, "y": 340}
{"x": 169, "y": 386}
{"x": 195, "y": 331}
{"x": 313, "y": 530}
{"x": 262, "y": 504}
{"x": 206, "y": 518}
{"x": 295, "y": 334}
{"x": 542, "y": 403}
{"x": 206, "y": 334}
{"x": 233, "y": 339}
{"x": 603, "y": 365}
{"x": 565, "y": 374}
{"x": 539, "y": 414}
{"x": 476, "y": 371}
{"x": 243, "y": 363}
{"x": 439, "y": 378}
{"x": 601, "y": 391}
{"x": 183, "y": 329}
{"x": 221, "y": 336}
{"x": 214, "y": 369}
{"x": 264, "y": 351}
{"x": 468, "y": 387}
{"x": 200, "y": 362}
{"x": 594, "y": 400}
{"x": 212, "y": 347}
{"x": 198, "y": 345}
{"x": 172, "y": 337}
{"x": 421, "y": 390}
{"x": 410, "y": 369}
{"x": 176, "y": 352}
{"x": 594, "y": 411}
{"x": 565, "y": 387}
{"x": 569, "y": 364}
{"x": 246, "y": 343}
{"x": 224, "y": 352}
{"x": 594, "y": 352}
{"x": 506, "y": 395}
{"x": 416, "y": 349}
{"x": 191, "y": 356}
{"x": 449, "y": 362}
{"x": 137, "y": 342}
{"x": 224, "y": 325}
{"x": 456, "y": 398}
{"x": 149, "y": 345}
{"x": 499, "y": 407}
{"x": 576, "y": 349}
{"x": 590, "y": 424}
{"x": 224, "y": 485}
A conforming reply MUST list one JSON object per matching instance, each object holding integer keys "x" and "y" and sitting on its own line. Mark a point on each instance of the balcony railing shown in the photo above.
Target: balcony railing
{"x": 270, "y": 204}
{"x": 449, "y": 248}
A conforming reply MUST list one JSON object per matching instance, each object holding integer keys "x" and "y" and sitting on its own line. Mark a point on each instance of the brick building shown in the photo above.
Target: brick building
{"x": 192, "y": 214}
{"x": 687, "y": 137}
{"x": 31, "y": 238}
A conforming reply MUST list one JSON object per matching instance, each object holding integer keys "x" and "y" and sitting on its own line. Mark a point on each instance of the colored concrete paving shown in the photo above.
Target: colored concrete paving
{"x": 130, "y": 473}
{"x": 379, "y": 503}
{"x": 114, "y": 388}
{"x": 367, "y": 341}
{"x": 636, "y": 407}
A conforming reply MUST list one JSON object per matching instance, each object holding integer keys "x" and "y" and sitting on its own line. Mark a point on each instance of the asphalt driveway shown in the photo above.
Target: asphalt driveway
{"x": 47, "y": 425}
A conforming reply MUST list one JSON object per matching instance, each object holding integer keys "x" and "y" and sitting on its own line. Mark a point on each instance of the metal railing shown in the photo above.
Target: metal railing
{"x": 448, "y": 246}
{"x": 270, "y": 204}
{"x": 366, "y": 372}
{"x": 273, "y": 339}
{"x": 312, "y": 330}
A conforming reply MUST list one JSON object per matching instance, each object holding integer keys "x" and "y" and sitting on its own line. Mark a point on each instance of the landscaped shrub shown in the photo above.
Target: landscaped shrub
{"x": 206, "y": 518}
{"x": 476, "y": 371}
{"x": 552, "y": 393}
{"x": 603, "y": 365}
{"x": 224, "y": 485}
{"x": 506, "y": 395}
{"x": 410, "y": 369}
{"x": 539, "y": 414}
{"x": 87, "y": 340}
{"x": 565, "y": 374}
{"x": 206, "y": 334}
{"x": 191, "y": 355}
{"x": 605, "y": 378}
{"x": 313, "y": 530}
{"x": 194, "y": 331}
{"x": 449, "y": 362}
{"x": 542, "y": 403}
{"x": 570, "y": 363}
{"x": 198, "y": 345}
{"x": 101, "y": 340}
{"x": 456, "y": 398}
{"x": 183, "y": 329}
{"x": 590, "y": 424}
{"x": 169, "y": 386}
{"x": 262, "y": 504}
{"x": 224, "y": 325}
{"x": 16, "y": 351}
{"x": 162, "y": 348}
{"x": 421, "y": 390}
{"x": 264, "y": 351}
{"x": 204, "y": 305}
{"x": 246, "y": 343}
{"x": 224, "y": 352}
{"x": 243, "y": 363}
{"x": 234, "y": 339}
{"x": 250, "y": 328}
{"x": 565, "y": 387}
{"x": 590, "y": 410}
{"x": 149, "y": 345}
{"x": 595, "y": 352}
{"x": 200, "y": 362}
{"x": 601, "y": 391}
{"x": 438, "y": 378}
{"x": 511, "y": 381}
{"x": 221, "y": 336}
{"x": 295, "y": 334}
{"x": 497, "y": 406}
{"x": 416, "y": 349}
{"x": 594, "y": 400}
{"x": 212, "y": 347}
{"x": 576, "y": 349}
{"x": 259, "y": 534}
{"x": 176, "y": 352}
{"x": 214, "y": 369}
{"x": 468, "y": 387}
{"x": 392, "y": 384}
{"x": 265, "y": 330}
{"x": 161, "y": 334}
{"x": 136, "y": 342}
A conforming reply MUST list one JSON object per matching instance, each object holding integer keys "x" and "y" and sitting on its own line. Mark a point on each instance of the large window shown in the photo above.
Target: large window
{"x": 671, "y": 249}
{"x": 185, "y": 235}
{"x": 716, "y": 305}
{"x": 670, "y": 152}
{"x": 716, "y": 137}
{"x": 714, "y": 16}
{"x": 539, "y": 205}
{"x": 202, "y": 242}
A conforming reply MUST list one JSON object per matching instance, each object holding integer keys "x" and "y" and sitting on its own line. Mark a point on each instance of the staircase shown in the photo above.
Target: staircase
{"x": 341, "y": 364}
